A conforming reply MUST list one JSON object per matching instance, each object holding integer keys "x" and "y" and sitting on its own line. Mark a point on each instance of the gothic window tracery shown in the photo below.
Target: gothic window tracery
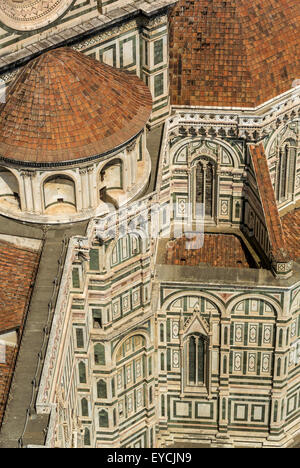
{"x": 286, "y": 172}
{"x": 196, "y": 359}
{"x": 206, "y": 186}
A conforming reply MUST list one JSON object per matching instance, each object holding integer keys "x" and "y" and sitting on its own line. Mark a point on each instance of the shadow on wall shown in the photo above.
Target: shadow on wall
{"x": 59, "y": 195}
{"x": 9, "y": 190}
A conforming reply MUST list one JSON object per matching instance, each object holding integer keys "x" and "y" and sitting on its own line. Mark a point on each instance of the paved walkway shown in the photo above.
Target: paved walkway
{"x": 21, "y": 389}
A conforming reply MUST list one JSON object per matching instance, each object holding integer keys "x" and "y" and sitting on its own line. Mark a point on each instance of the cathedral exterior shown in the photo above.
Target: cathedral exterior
{"x": 177, "y": 319}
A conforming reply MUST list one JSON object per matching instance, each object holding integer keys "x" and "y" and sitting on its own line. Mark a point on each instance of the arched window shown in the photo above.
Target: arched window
{"x": 103, "y": 418}
{"x": 162, "y": 361}
{"x": 150, "y": 395}
{"x": 282, "y": 408}
{"x": 278, "y": 367}
{"x": 225, "y": 335}
{"x": 82, "y": 372}
{"x": 163, "y": 411}
{"x": 84, "y": 407}
{"x": 150, "y": 365}
{"x": 286, "y": 171}
{"x": 113, "y": 389}
{"x": 275, "y": 411}
{"x": 223, "y": 408}
{"x": 87, "y": 437}
{"x": 280, "y": 338}
{"x": 99, "y": 353}
{"x": 225, "y": 365}
{"x": 196, "y": 359}
{"x": 79, "y": 338}
{"x": 151, "y": 438}
{"x": 161, "y": 333}
{"x": 205, "y": 186}
{"x": 285, "y": 365}
{"x": 101, "y": 389}
{"x": 237, "y": 210}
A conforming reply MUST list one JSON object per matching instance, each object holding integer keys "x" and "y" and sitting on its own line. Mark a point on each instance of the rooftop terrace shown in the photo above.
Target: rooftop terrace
{"x": 214, "y": 250}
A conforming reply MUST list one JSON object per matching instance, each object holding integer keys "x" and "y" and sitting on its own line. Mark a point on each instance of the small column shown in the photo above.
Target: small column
{"x": 27, "y": 190}
{"x": 127, "y": 172}
{"x": 84, "y": 188}
{"x": 134, "y": 166}
{"x": 217, "y": 193}
{"x": 92, "y": 202}
{"x": 131, "y": 156}
{"x": 204, "y": 166}
{"x": 224, "y": 376}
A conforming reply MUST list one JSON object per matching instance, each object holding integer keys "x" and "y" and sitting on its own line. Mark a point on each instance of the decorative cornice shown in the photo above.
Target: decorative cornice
{"x": 248, "y": 124}
{"x": 30, "y": 15}
{"x": 115, "y": 31}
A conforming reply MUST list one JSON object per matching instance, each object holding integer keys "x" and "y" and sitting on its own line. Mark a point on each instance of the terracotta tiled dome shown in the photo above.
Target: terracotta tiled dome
{"x": 236, "y": 53}
{"x": 65, "y": 106}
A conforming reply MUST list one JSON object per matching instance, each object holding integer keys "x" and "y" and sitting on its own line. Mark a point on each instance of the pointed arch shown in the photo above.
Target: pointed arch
{"x": 87, "y": 437}
{"x": 103, "y": 418}
{"x": 179, "y": 146}
{"x": 118, "y": 346}
{"x": 286, "y": 170}
{"x": 141, "y": 247}
{"x": 195, "y": 358}
{"x": 215, "y": 301}
{"x": 84, "y": 407}
{"x": 99, "y": 354}
{"x": 101, "y": 389}
{"x": 234, "y": 301}
{"x": 82, "y": 372}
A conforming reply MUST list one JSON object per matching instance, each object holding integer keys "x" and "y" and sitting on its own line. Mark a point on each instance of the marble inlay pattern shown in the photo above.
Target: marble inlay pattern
{"x": 31, "y": 14}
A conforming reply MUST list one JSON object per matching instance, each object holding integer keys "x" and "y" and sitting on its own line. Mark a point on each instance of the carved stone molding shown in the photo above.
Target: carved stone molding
{"x": 27, "y": 15}
{"x": 116, "y": 31}
{"x": 251, "y": 125}
{"x": 131, "y": 146}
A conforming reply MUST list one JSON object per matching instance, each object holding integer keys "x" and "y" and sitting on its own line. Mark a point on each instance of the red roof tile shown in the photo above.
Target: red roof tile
{"x": 218, "y": 250}
{"x": 6, "y": 371}
{"x": 267, "y": 196}
{"x": 65, "y": 106}
{"x": 18, "y": 269}
{"x": 233, "y": 53}
{"x": 291, "y": 228}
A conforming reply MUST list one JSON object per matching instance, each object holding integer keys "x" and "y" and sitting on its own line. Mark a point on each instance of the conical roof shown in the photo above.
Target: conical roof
{"x": 64, "y": 106}
{"x": 233, "y": 53}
